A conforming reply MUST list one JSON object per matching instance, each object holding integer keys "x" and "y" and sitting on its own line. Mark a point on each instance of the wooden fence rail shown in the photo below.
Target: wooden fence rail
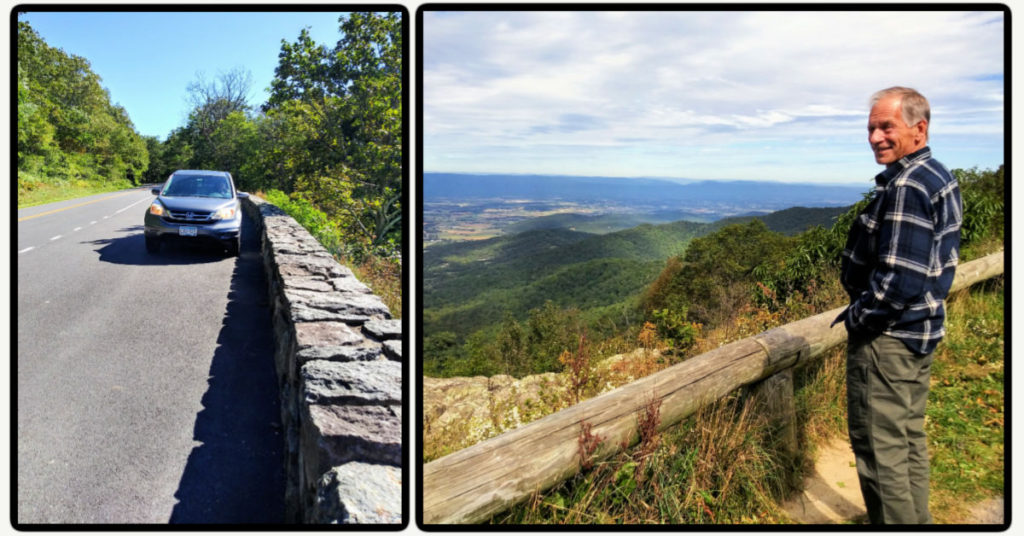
{"x": 475, "y": 483}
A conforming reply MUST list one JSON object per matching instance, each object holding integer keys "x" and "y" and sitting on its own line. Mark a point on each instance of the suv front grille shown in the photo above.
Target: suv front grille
{"x": 189, "y": 216}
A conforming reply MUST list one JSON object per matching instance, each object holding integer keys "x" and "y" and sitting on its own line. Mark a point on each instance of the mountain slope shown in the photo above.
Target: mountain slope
{"x": 470, "y": 285}
{"x": 603, "y": 223}
{"x": 792, "y": 221}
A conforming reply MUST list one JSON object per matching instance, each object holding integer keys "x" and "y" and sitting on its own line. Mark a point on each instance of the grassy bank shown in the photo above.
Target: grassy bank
{"x": 33, "y": 190}
{"x": 965, "y": 418}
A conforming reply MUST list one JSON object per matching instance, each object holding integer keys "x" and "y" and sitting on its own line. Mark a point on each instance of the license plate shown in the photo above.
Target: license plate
{"x": 187, "y": 231}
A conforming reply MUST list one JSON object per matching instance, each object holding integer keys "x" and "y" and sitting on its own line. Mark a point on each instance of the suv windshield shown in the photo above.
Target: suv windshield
{"x": 198, "y": 186}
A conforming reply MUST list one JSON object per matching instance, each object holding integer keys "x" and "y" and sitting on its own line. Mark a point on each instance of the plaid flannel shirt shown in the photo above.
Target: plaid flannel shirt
{"x": 902, "y": 252}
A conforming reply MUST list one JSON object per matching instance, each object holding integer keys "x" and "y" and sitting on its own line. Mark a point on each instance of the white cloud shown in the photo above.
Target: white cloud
{"x": 614, "y": 84}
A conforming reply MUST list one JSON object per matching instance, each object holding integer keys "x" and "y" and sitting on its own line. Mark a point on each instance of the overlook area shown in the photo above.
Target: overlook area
{"x": 726, "y": 281}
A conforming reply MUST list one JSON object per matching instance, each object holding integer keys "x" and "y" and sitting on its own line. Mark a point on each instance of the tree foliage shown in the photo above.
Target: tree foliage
{"x": 68, "y": 130}
{"x": 708, "y": 280}
{"x": 347, "y": 103}
{"x": 517, "y": 348}
{"x": 983, "y": 193}
{"x": 214, "y": 100}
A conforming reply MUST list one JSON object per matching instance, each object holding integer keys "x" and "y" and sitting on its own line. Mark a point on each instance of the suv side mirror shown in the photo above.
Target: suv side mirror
{"x": 155, "y": 191}
{"x": 243, "y": 195}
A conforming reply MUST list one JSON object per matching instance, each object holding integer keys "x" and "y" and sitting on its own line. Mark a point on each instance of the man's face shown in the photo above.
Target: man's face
{"x": 891, "y": 138}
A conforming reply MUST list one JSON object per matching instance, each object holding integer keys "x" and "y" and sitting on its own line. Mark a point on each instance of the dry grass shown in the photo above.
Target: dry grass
{"x": 384, "y": 277}
{"x": 714, "y": 469}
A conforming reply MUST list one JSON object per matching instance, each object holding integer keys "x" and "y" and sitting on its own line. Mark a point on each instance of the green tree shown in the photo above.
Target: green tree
{"x": 712, "y": 279}
{"x": 983, "y": 194}
{"x": 512, "y": 348}
{"x": 176, "y": 153}
{"x": 36, "y": 144}
{"x": 550, "y": 330}
{"x": 437, "y": 349}
{"x": 214, "y": 100}
{"x": 219, "y": 132}
{"x": 233, "y": 144}
{"x": 302, "y": 73}
{"x": 348, "y": 101}
{"x": 67, "y": 126}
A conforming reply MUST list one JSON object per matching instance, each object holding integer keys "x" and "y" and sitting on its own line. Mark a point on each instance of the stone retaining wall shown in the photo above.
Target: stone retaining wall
{"x": 338, "y": 358}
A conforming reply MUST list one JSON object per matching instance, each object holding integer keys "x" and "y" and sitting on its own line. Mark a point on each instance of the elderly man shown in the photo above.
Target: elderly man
{"x": 897, "y": 267}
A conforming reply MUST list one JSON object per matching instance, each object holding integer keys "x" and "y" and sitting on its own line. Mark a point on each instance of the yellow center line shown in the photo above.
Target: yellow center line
{"x": 73, "y": 206}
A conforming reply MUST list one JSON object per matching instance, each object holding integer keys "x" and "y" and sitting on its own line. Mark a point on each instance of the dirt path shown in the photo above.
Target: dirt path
{"x": 988, "y": 512}
{"x": 832, "y": 493}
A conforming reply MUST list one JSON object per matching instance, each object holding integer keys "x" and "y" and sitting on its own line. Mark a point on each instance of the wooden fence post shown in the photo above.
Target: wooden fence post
{"x": 774, "y": 397}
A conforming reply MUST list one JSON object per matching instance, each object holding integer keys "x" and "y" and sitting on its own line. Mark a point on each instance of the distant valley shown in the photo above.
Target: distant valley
{"x": 470, "y": 286}
{"x": 459, "y": 207}
{"x": 509, "y": 258}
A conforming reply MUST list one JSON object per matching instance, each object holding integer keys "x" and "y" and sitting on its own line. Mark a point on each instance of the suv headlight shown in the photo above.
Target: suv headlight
{"x": 157, "y": 209}
{"x": 224, "y": 213}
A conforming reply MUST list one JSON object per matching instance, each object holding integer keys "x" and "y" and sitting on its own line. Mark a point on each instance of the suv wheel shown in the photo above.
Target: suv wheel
{"x": 152, "y": 244}
{"x": 233, "y": 246}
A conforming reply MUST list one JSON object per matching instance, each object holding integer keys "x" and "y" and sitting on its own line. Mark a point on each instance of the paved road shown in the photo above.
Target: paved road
{"x": 146, "y": 391}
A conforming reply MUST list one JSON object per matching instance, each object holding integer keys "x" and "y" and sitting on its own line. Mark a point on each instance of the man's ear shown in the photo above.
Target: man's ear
{"x": 921, "y": 130}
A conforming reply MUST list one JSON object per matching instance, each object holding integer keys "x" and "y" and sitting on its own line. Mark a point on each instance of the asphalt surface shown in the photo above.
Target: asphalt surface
{"x": 146, "y": 390}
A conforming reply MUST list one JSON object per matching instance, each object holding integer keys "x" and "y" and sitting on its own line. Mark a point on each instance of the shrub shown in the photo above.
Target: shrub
{"x": 983, "y": 198}
{"x": 675, "y": 329}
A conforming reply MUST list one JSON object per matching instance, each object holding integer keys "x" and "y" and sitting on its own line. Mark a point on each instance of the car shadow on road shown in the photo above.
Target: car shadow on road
{"x": 131, "y": 249}
{"x": 236, "y": 472}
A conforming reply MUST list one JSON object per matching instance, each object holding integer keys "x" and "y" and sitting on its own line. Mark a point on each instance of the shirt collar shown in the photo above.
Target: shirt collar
{"x": 896, "y": 167}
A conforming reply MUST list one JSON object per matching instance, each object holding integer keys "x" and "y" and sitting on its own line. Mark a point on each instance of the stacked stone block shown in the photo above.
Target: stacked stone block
{"x": 338, "y": 358}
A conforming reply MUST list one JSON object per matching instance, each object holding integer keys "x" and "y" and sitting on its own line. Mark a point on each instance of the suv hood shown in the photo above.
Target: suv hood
{"x": 207, "y": 204}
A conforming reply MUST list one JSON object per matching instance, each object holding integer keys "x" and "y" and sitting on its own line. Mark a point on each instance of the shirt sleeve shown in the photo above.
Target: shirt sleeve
{"x": 905, "y": 242}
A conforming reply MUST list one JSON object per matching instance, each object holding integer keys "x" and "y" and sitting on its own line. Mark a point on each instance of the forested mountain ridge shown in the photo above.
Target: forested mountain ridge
{"x": 792, "y": 221}
{"x": 472, "y": 289}
{"x": 706, "y": 276}
{"x": 455, "y": 272}
{"x": 659, "y": 192}
{"x": 603, "y": 223}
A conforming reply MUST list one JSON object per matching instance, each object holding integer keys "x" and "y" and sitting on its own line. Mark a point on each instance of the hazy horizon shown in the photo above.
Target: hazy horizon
{"x": 862, "y": 182}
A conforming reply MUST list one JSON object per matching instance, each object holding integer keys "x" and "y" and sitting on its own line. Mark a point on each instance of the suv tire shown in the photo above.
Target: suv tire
{"x": 234, "y": 246}
{"x": 152, "y": 244}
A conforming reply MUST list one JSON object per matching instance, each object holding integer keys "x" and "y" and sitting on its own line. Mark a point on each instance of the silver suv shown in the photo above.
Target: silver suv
{"x": 196, "y": 205}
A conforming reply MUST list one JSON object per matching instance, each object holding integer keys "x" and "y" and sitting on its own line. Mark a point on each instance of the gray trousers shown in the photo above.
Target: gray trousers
{"x": 886, "y": 389}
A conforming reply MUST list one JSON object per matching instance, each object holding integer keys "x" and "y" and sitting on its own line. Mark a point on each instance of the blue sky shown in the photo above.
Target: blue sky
{"x": 147, "y": 59}
{"x": 706, "y": 95}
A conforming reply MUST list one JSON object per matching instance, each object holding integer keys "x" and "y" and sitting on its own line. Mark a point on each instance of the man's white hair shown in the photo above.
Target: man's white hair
{"x": 913, "y": 106}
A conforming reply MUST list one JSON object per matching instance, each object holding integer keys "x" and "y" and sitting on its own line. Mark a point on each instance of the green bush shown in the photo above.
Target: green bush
{"x": 675, "y": 329}
{"x": 983, "y": 197}
{"x": 710, "y": 280}
{"x": 313, "y": 219}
